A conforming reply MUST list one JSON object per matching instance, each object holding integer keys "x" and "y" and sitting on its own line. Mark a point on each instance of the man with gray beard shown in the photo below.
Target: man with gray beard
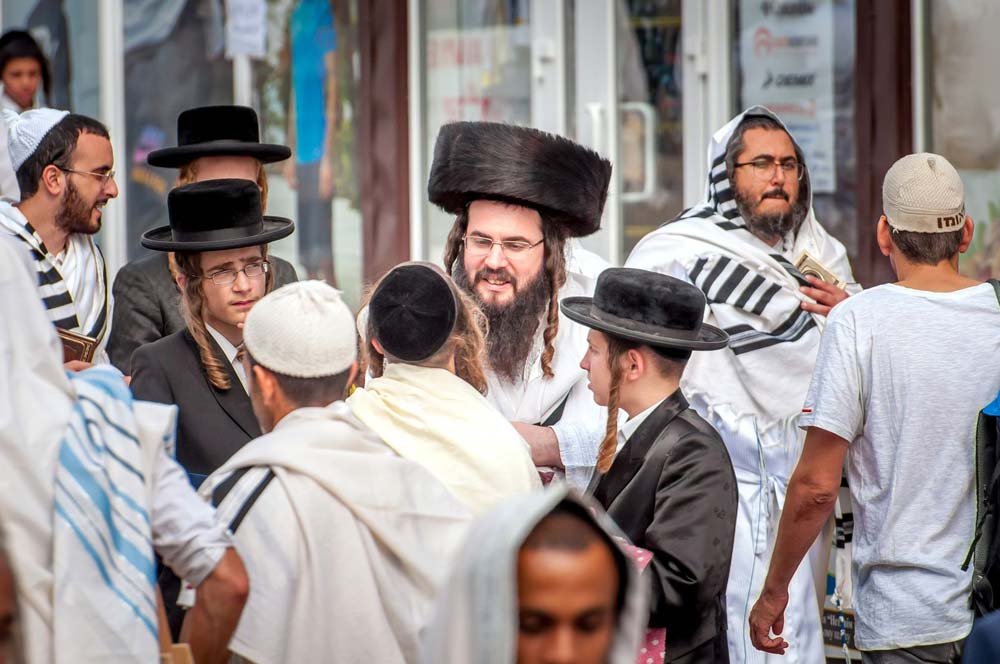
{"x": 739, "y": 247}
{"x": 65, "y": 170}
{"x": 519, "y": 196}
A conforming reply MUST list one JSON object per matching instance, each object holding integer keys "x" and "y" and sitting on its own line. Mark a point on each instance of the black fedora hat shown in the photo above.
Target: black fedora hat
{"x": 213, "y": 215}
{"x": 647, "y": 307}
{"x": 216, "y": 131}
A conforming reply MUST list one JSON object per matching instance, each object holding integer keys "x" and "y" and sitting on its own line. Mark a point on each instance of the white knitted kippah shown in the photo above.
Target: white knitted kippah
{"x": 303, "y": 330}
{"x": 923, "y": 193}
{"x": 26, "y": 131}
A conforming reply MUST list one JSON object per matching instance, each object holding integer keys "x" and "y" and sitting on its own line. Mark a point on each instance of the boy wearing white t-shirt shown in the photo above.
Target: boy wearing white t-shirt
{"x": 903, "y": 369}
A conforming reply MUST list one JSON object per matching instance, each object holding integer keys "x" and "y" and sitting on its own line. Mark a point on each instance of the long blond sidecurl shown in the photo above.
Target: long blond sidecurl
{"x": 193, "y": 308}
{"x": 554, "y": 237}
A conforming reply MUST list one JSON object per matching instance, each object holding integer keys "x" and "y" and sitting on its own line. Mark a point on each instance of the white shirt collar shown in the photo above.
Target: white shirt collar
{"x": 230, "y": 351}
{"x": 626, "y": 430}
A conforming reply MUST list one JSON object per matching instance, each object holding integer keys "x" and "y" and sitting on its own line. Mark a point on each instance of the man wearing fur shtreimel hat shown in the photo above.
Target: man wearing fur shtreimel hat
{"x": 519, "y": 196}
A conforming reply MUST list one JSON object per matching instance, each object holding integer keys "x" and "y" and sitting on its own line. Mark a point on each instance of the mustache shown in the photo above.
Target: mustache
{"x": 775, "y": 193}
{"x": 496, "y": 275}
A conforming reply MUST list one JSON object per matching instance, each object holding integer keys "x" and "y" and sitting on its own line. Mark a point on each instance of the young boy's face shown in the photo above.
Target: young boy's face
{"x": 595, "y": 363}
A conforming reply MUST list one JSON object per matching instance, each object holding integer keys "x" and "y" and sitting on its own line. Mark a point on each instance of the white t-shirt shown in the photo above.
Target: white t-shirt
{"x": 902, "y": 374}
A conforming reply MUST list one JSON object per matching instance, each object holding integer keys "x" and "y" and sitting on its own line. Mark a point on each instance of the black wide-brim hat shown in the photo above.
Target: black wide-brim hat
{"x": 648, "y": 307}
{"x": 528, "y": 167}
{"x": 217, "y": 131}
{"x": 213, "y": 215}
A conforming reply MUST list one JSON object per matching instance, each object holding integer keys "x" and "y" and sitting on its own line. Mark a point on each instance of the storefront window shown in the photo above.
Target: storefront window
{"x": 797, "y": 58}
{"x": 964, "y": 126}
{"x": 650, "y": 154}
{"x": 174, "y": 60}
{"x": 305, "y": 92}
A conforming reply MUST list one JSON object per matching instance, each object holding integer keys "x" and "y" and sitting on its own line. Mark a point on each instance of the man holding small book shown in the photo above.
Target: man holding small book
{"x": 749, "y": 248}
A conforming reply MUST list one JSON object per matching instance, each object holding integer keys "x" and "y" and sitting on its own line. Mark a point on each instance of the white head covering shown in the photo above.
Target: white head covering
{"x": 923, "y": 193}
{"x": 26, "y": 131}
{"x": 303, "y": 330}
{"x": 476, "y": 614}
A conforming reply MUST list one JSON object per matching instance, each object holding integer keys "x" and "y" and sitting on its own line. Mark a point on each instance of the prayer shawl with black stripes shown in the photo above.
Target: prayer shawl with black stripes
{"x": 752, "y": 392}
{"x": 62, "y": 295}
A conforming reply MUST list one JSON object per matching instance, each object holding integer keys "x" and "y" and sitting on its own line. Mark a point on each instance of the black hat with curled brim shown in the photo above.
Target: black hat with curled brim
{"x": 648, "y": 307}
{"x": 523, "y": 166}
{"x": 217, "y": 131}
{"x": 214, "y": 215}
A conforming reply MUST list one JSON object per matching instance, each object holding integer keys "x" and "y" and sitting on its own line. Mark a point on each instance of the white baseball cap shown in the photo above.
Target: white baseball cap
{"x": 26, "y": 131}
{"x": 303, "y": 330}
{"x": 923, "y": 193}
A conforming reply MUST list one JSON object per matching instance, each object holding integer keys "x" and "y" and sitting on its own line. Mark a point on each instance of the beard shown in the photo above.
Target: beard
{"x": 74, "y": 214}
{"x": 512, "y": 324}
{"x": 774, "y": 225}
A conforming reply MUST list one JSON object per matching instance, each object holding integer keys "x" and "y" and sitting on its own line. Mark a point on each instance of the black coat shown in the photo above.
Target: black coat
{"x": 147, "y": 304}
{"x": 672, "y": 490}
{"x": 212, "y": 423}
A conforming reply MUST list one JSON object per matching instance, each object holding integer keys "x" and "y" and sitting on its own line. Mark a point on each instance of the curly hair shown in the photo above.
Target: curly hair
{"x": 193, "y": 307}
{"x": 467, "y": 341}
{"x": 554, "y": 239}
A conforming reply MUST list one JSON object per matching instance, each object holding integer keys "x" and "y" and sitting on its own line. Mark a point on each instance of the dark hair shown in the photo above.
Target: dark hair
{"x": 927, "y": 248}
{"x": 554, "y": 235}
{"x": 56, "y": 147}
{"x": 16, "y": 44}
{"x": 735, "y": 146}
{"x": 303, "y": 392}
{"x": 569, "y": 528}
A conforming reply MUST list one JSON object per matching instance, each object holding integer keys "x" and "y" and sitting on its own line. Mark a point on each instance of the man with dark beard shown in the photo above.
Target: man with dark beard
{"x": 65, "y": 170}
{"x": 738, "y": 247}
{"x": 519, "y": 196}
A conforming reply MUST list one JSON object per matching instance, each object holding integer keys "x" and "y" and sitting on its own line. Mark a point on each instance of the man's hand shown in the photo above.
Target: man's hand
{"x": 827, "y": 296}
{"x": 543, "y": 443}
{"x": 768, "y": 615}
{"x": 77, "y": 365}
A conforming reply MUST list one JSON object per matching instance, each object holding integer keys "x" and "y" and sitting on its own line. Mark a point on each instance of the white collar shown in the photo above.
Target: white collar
{"x": 633, "y": 423}
{"x": 228, "y": 349}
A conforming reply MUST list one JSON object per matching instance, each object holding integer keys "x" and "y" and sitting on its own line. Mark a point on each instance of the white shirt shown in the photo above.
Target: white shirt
{"x": 630, "y": 426}
{"x": 901, "y": 374}
{"x": 230, "y": 351}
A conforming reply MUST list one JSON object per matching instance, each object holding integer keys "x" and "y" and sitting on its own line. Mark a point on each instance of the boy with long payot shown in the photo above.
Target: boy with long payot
{"x": 902, "y": 372}
{"x": 670, "y": 486}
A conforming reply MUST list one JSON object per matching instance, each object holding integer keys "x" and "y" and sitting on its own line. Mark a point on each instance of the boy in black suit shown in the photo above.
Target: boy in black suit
{"x": 671, "y": 486}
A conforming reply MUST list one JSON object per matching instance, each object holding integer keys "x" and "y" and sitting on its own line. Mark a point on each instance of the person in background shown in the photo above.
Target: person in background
{"x": 902, "y": 372}
{"x": 214, "y": 142}
{"x": 425, "y": 400}
{"x": 541, "y": 579}
{"x": 24, "y": 70}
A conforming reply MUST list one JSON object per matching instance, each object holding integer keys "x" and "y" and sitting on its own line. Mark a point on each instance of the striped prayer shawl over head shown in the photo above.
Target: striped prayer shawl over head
{"x": 103, "y": 563}
{"x": 56, "y": 298}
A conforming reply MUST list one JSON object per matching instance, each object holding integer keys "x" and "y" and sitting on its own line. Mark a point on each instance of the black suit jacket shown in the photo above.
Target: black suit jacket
{"x": 213, "y": 423}
{"x": 672, "y": 490}
{"x": 147, "y": 304}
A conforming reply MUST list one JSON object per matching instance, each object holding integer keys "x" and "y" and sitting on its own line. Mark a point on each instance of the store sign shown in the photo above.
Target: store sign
{"x": 478, "y": 74}
{"x": 786, "y": 52}
{"x": 246, "y": 28}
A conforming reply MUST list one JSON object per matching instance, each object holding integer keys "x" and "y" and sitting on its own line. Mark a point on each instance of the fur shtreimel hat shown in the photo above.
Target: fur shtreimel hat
{"x": 520, "y": 165}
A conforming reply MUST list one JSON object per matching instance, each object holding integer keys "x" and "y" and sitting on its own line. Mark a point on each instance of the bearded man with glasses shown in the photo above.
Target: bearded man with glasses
{"x": 520, "y": 196}
{"x": 65, "y": 171}
{"x": 740, "y": 247}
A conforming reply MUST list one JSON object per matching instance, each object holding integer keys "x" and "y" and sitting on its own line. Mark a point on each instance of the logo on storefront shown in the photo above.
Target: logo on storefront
{"x": 765, "y": 42}
{"x": 796, "y": 80}
{"x": 795, "y": 9}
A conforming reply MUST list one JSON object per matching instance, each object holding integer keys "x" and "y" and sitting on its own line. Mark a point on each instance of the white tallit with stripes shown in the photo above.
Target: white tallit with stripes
{"x": 752, "y": 392}
{"x": 78, "y": 302}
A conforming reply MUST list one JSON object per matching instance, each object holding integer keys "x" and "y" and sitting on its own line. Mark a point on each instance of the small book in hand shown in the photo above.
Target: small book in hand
{"x": 77, "y": 346}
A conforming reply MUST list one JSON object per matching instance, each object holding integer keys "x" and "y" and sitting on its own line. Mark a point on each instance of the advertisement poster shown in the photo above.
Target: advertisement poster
{"x": 786, "y": 52}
